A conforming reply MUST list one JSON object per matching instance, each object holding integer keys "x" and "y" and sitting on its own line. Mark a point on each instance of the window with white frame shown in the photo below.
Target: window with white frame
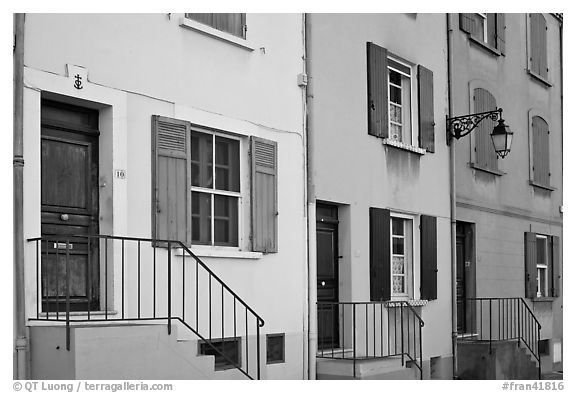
{"x": 215, "y": 165}
{"x": 480, "y": 31}
{"x": 402, "y": 244}
{"x": 400, "y": 101}
{"x": 542, "y": 265}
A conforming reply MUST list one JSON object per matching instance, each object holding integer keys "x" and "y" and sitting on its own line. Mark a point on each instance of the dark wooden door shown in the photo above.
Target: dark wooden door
{"x": 69, "y": 207}
{"x": 465, "y": 277}
{"x": 460, "y": 284}
{"x": 327, "y": 275}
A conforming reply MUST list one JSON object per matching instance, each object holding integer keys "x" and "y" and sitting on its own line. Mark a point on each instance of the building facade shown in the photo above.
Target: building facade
{"x": 509, "y": 211}
{"x": 179, "y": 131}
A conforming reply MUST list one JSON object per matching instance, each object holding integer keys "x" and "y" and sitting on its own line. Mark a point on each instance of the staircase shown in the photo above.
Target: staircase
{"x": 503, "y": 343}
{"x": 152, "y": 294}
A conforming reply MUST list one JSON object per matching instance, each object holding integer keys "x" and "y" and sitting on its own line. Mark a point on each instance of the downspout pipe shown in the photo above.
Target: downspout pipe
{"x": 452, "y": 171}
{"x": 20, "y": 333}
{"x": 311, "y": 206}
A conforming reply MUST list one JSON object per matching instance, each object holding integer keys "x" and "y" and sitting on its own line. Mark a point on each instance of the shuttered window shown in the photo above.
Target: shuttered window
{"x": 489, "y": 29}
{"x": 230, "y": 23}
{"x": 392, "y": 87}
{"x": 428, "y": 258}
{"x": 264, "y": 166}
{"x": 196, "y": 187}
{"x": 542, "y": 265}
{"x": 540, "y": 151}
{"x": 486, "y": 157}
{"x": 538, "y": 60}
{"x": 379, "y": 254}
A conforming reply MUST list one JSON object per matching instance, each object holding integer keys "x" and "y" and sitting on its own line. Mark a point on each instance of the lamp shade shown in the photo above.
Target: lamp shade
{"x": 502, "y": 138}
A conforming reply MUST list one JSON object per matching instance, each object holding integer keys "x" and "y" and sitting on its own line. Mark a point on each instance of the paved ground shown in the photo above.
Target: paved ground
{"x": 553, "y": 375}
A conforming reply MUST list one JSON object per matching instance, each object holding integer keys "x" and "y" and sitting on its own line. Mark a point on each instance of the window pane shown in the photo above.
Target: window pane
{"x": 227, "y": 164}
{"x": 396, "y": 132}
{"x": 398, "y": 246}
{"x": 397, "y": 265}
{"x": 395, "y": 113}
{"x": 398, "y": 284}
{"x": 396, "y": 94}
{"x": 395, "y": 77}
{"x": 406, "y": 118}
{"x": 201, "y": 155}
{"x": 541, "y": 251}
{"x": 397, "y": 226}
{"x": 201, "y": 218}
{"x": 225, "y": 220}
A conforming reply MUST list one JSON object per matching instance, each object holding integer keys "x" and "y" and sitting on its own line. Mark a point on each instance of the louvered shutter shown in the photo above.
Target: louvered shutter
{"x": 555, "y": 272}
{"x": 428, "y": 258}
{"x": 377, "y": 90}
{"x": 540, "y": 151}
{"x": 538, "y": 45}
{"x": 501, "y": 32}
{"x": 426, "y": 108}
{"x": 379, "y": 254}
{"x": 530, "y": 260}
{"x": 171, "y": 196}
{"x": 491, "y": 20}
{"x": 264, "y": 195}
{"x": 485, "y": 154}
{"x": 467, "y": 23}
{"x": 228, "y": 22}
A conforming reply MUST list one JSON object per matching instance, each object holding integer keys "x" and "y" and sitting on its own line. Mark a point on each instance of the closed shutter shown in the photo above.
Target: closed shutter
{"x": 171, "y": 196}
{"x": 485, "y": 155}
{"x": 538, "y": 45}
{"x": 555, "y": 272}
{"x": 530, "y": 260}
{"x": 264, "y": 195}
{"x": 228, "y": 22}
{"x": 501, "y": 32}
{"x": 540, "y": 151}
{"x": 428, "y": 258}
{"x": 467, "y": 22}
{"x": 379, "y": 254}
{"x": 491, "y": 20}
{"x": 426, "y": 108}
{"x": 377, "y": 90}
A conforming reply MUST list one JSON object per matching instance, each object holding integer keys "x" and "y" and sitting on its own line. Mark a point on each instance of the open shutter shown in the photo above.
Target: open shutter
{"x": 264, "y": 195}
{"x": 530, "y": 257}
{"x": 467, "y": 22}
{"x": 377, "y": 90}
{"x": 379, "y": 254}
{"x": 501, "y": 32}
{"x": 555, "y": 272}
{"x": 428, "y": 258}
{"x": 171, "y": 197}
{"x": 485, "y": 155}
{"x": 426, "y": 108}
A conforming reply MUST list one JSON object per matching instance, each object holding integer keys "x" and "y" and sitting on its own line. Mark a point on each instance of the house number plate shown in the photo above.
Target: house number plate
{"x": 120, "y": 174}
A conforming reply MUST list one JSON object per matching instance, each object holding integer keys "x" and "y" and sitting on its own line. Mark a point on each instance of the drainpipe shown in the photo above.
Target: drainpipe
{"x": 21, "y": 339}
{"x": 452, "y": 170}
{"x": 311, "y": 206}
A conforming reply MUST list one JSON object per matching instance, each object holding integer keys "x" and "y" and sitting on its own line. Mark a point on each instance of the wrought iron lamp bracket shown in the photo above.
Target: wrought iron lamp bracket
{"x": 459, "y": 126}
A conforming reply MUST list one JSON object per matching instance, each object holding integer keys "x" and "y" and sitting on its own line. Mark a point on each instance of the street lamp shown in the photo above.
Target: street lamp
{"x": 457, "y": 127}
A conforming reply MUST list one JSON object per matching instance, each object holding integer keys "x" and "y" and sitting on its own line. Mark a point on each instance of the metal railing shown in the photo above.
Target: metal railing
{"x": 503, "y": 319}
{"x": 369, "y": 330}
{"x": 102, "y": 278}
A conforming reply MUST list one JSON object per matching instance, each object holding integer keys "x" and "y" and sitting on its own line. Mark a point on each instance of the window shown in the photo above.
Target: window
{"x": 540, "y": 154}
{"x": 197, "y": 193}
{"x": 234, "y": 24}
{"x": 400, "y": 101}
{"x": 537, "y": 47}
{"x": 226, "y": 352}
{"x": 398, "y": 252}
{"x": 402, "y": 256}
{"x": 487, "y": 29}
{"x": 215, "y": 189}
{"x": 542, "y": 265}
{"x": 274, "y": 348}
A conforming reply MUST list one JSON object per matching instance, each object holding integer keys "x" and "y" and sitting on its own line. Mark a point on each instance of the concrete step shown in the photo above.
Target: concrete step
{"x": 383, "y": 368}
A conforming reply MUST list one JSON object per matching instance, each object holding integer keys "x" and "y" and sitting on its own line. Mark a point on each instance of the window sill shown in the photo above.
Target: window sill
{"x": 223, "y": 252}
{"x": 411, "y": 302}
{"x": 496, "y": 172}
{"x": 223, "y": 36}
{"x": 538, "y": 185}
{"x": 546, "y": 299}
{"x": 540, "y": 79}
{"x": 486, "y": 47}
{"x": 403, "y": 146}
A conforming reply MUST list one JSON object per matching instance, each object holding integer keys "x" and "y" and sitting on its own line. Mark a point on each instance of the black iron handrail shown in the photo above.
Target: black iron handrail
{"x": 143, "y": 261}
{"x": 503, "y": 319}
{"x": 369, "y": 330}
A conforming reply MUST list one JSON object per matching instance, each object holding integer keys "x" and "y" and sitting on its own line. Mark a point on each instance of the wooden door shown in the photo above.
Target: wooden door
{"x": 465, "y": 278}
{"x": 327, "y": 275}
{"x": 69, "y": 207}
